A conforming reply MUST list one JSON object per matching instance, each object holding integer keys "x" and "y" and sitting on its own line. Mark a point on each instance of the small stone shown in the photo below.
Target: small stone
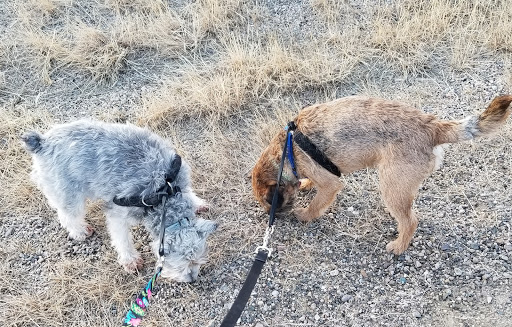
{"x": 458, "y": 271}
{"x": 489, "y": 299}
{"x": 417, "y": 264}
{"x": 334, "y": 272}
{"x": 275, "y": 293}
{"x": 403, "y": 280}
{"x": 446, "y": 293}
{"x": 416, "y": 314}
{"x": 437, "y": 265}
{"x": 445, "y": 247}
{"x": 317, "y": 317}
{"x": 363, "y": 273}
{"x": 346, "y": 298}
{"x": 8, "y": 232}
{"x": 259, "y": 324}
{"x": 508, "y": 247}
{"x": 474, "y": 246}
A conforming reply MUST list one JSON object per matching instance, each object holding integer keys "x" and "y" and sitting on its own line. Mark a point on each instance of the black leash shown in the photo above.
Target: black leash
{"x": 262, "y": 251}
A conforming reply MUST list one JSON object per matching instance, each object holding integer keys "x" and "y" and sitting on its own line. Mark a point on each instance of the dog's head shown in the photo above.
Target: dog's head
{"x": 264, "y": 182}
{"x": 185, "y": 247}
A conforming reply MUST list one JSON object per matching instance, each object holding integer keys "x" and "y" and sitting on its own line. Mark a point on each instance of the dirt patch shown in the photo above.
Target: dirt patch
{"x": 219, "y": 78}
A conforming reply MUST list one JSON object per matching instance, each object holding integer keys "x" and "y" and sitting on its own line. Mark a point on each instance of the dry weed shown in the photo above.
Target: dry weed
{"x": 18, "y": 194}
{"x": 56, "y": 35}
{"x": 210, "y": 16}
{"x": 410, "y": 32}
{"x": 248, "y": 72}
{"x": 103, "y": 295}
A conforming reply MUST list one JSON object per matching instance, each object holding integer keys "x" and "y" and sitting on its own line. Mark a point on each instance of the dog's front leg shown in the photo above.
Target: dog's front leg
{"x": 327, "y": 186}
{"x": 118, "y": 224}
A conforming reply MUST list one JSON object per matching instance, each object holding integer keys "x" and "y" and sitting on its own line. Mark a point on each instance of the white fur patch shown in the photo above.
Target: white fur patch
{"x": 439, "y": 155}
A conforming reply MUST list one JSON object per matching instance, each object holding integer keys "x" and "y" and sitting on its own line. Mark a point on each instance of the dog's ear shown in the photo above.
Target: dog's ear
{"x": 206, "y": 226}
{"x": 270, "y": 196}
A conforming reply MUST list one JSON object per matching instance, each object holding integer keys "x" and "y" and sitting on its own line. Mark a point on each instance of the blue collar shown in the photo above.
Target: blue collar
{"x": 178, "y": 224}
{"x": 289, "y": 150}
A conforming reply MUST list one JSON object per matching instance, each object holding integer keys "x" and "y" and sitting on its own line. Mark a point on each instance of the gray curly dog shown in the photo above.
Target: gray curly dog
{"x": 94, "y": 160}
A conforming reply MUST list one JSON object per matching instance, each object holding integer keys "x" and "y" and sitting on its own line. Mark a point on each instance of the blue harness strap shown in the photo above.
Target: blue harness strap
{"x": 289, "y": 150}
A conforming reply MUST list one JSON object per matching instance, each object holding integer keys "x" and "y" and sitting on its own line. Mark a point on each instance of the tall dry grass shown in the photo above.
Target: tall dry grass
{"x": 96, "y": 38}
{"x": 248, "y": 72}
{"x": 411, "y": 32}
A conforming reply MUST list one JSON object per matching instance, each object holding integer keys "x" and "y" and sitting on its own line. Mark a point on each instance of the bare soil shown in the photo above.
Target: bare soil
{"x": 219, "y": 78}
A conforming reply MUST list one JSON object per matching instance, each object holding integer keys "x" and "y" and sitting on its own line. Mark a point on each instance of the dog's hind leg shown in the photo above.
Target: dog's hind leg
{"x": 399, "y": 185}
{"x": 71, "y": 212}
{"x": 327, "y": 186}
{"x": 119, "y": 224}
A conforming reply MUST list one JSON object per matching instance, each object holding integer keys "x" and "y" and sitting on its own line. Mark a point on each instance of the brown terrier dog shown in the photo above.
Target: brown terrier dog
{"x": 356, "y": 132}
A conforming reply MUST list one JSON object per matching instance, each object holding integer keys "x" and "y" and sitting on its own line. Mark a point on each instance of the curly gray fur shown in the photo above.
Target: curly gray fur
{"x": 94, "y": 160}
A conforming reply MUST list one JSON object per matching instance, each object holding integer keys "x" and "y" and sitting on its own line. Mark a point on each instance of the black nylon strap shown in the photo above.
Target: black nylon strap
{"x": 245, "y": 293}
{"x": 310, "y": 148}
{"x": 156, "y": 198}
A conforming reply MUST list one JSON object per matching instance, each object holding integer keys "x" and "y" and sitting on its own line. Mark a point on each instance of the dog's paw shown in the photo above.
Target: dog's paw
{"x": 81, "y": 234}
{"x": 303, "y": 214}
{"x": 397, "y": 247}
{"x": 305, "y": 184}
{"x": 133, "y": 265}
{"x": 202, "y": 208}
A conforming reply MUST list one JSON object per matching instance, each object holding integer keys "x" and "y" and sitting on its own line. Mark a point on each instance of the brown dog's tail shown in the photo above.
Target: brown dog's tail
{"x": 472, "y": 127}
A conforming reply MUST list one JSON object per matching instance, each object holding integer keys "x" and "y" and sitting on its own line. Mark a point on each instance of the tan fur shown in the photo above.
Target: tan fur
{"x": 358, "y": 132}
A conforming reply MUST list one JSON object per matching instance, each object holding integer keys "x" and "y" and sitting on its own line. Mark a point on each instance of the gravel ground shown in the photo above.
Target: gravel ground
{"x": 332, "y": 272}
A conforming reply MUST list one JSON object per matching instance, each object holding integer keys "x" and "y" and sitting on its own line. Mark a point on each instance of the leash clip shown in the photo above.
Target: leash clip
{"x": 268, "y": 232}
{"x": 160, "y": 262}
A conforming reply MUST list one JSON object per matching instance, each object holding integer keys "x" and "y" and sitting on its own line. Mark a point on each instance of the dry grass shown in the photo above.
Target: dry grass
{"x": 249, "y": 72}
{"x": 411, "y": 32}
{"x": 18, "y": 195}
{"x": 58, "y": 34}
{"x": 227, "y": 88}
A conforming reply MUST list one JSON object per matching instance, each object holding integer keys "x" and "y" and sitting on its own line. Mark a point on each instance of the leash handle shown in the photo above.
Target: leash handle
{"x": 245, "y": 293}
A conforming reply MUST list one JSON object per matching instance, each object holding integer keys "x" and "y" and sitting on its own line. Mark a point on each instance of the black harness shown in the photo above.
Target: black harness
{"x": 160, "y": 197}
{"x": 312, "y": 150}
{"x": 156, "y": 198}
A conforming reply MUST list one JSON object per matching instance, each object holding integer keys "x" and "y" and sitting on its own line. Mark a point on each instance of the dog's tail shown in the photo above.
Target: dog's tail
{"x": 33, "y": 141}
{"x": 475, "y": 126}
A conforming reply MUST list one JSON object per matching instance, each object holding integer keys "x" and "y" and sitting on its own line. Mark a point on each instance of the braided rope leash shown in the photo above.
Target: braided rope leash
{"x": 140, "y": 305}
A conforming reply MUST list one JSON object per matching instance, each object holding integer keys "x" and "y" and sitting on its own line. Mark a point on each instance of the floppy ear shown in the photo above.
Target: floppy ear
{"x": 206, "y": 226}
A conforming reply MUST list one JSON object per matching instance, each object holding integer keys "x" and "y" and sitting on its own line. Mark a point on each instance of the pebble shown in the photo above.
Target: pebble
{"x": 416, "y": 314}
{"x": 334, "y": 272}
{"x": 458, "y": 271}
{"x": 489, "y": 299}
{"x": 445, "y": 247}
{"x": 346, "y": 298}
{"x": 446, "y": 293}
{"x": 275, "y": 293}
